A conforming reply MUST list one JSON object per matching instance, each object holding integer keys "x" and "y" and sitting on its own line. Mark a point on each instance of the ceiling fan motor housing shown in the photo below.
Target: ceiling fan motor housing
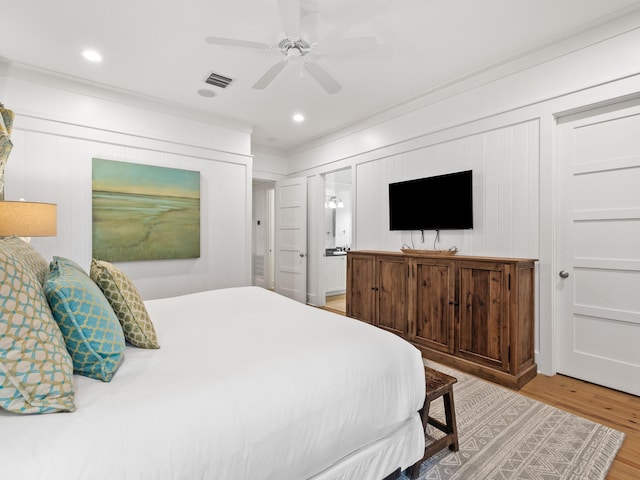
{"x": 294, "y": 47}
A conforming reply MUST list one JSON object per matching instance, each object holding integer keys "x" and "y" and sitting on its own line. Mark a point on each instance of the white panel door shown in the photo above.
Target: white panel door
{"x": 598, "y": 255}
{"x": 291, "y": 238}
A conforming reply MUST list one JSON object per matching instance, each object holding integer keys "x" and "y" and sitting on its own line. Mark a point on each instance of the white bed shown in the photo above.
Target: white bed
{"x": 247, "y": 384}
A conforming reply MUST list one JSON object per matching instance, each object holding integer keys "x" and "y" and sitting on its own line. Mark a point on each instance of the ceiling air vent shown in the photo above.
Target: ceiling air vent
{"x": 219, "y": 80}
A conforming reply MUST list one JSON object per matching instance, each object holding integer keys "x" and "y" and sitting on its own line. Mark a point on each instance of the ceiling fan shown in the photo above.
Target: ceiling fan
{"x": 296, "y": 48}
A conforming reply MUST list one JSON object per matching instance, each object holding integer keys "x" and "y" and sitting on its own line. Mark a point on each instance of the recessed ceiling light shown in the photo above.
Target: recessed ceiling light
{"x": 92, "y": 56}
{"x": 298, "y": 118}
{"x": 206, "y": 93}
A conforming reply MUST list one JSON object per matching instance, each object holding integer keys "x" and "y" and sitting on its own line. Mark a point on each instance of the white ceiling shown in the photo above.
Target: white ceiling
{"x": 157, "y": 48}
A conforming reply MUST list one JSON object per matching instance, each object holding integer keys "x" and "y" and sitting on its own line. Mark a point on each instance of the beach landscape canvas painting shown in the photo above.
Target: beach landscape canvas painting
{"x": 144, "y": 212}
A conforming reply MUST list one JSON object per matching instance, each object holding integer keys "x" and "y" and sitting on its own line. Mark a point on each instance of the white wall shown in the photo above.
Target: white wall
{"x": 505, "y": 193}
{"x": 502, "y": 124}
{"x": 60, "y": 126}
{"x": 591, "y": 59}
{"x": 269, "y": 163}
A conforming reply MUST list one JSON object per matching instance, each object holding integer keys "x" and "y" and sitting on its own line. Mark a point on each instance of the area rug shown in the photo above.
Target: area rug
{"x": 507, "y": 436}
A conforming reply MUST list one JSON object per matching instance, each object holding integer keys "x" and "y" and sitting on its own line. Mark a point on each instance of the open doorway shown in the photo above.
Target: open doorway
{"x": 337, "y": 237}
{"x": 263, "y": 208}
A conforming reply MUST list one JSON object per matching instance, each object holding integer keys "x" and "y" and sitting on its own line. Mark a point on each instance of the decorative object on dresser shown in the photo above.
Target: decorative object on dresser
{"x": 451, "y": 251}
{"x": 473, "y": 313}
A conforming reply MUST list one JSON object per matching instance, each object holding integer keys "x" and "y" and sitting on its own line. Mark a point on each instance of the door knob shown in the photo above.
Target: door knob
{"x": 301, "y": 255}
{"x": 563, "y": 274}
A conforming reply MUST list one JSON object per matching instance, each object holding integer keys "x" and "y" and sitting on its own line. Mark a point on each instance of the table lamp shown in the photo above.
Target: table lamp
{"x": 27, "y": 219}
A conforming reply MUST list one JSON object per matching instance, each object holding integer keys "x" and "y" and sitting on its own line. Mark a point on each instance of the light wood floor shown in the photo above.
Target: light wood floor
{"x": 609, "y": 407}
{"x": 336, "y": 303}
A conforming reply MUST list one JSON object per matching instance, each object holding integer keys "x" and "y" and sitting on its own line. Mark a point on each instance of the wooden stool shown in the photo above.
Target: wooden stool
{"x": 438, "y": 385}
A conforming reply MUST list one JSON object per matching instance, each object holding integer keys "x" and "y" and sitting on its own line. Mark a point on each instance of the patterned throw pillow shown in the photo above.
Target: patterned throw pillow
{"x": 90, "y": 328}
{"x": 29, "y": 257}
{"x": 126, "y": 302}
{"x": 36, "y": 372}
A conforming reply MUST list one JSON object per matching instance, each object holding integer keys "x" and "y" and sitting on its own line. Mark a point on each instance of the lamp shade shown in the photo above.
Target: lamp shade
{"x": 28, "y": 219}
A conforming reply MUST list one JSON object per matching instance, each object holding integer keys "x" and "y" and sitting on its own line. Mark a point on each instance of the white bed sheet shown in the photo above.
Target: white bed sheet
{"x": 247, "y": 384}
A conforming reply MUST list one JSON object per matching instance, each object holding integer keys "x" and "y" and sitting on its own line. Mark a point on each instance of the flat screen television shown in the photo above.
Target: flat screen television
{"x": 443, "y": 202}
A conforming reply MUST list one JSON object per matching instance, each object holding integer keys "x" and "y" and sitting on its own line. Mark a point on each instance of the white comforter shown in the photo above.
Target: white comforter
{"x": 246, "y": 385}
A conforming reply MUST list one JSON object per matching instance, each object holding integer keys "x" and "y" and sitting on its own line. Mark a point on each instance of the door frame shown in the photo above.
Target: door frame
{"x": 266, "y": 189}
{"x": 315, "y": 241}
{"x": 558, "y": 253}
{"x": 546, "y": 296}
{"x": 320, "y": 233}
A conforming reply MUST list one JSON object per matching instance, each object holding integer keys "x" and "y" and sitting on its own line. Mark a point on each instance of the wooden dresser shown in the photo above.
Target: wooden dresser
{"x": 473, "y": 313}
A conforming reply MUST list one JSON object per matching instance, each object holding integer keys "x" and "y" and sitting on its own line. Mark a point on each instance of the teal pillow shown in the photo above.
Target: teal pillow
{"x": 69, "y": 263}
{"x": 91, "y": 330}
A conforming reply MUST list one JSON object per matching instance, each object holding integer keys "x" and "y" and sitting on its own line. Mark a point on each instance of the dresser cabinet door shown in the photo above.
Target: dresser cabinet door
{"x": 433, "y": 304}
{"x": 391, "y": 290}
{"x": 361, "y": 287}
{"x": 483, "y": 325}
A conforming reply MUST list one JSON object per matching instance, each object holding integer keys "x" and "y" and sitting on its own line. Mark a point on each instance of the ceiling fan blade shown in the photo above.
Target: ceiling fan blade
{"x": 348, "y": 46}
{"x": 232, "y": 42}
{"x": 269, "y": 75}
{"x": 290, "y": 17}
{"x": 321, "y": 76}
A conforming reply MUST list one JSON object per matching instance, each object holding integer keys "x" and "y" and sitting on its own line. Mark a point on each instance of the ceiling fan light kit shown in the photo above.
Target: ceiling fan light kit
{"x": 292, "y": 46}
